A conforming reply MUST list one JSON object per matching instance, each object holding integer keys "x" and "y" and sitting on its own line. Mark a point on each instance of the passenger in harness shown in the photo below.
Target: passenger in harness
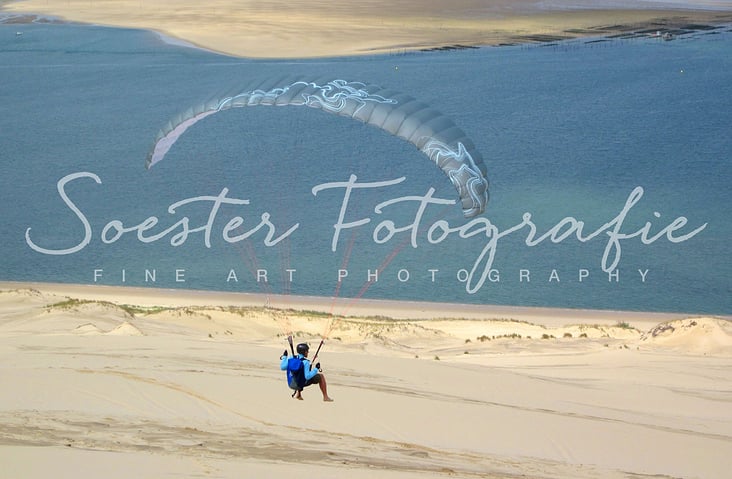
{"x": 301, "y": 374}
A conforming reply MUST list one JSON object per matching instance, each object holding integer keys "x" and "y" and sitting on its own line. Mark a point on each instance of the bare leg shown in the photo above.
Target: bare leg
{"x": 298, "y": 396}
{"x": 324, "y": 389}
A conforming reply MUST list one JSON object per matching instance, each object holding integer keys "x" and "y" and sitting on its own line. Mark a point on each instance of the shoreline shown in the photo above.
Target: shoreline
{"x": 348, "y": 307}
{"x": 314, "y": 31}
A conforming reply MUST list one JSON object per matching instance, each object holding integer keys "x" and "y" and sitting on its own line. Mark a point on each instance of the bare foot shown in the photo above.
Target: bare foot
{"x": 327, "y": 399}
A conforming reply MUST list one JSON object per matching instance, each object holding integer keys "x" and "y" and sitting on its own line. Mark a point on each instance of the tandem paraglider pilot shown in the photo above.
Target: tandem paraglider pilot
{"x": 301, "y": 373}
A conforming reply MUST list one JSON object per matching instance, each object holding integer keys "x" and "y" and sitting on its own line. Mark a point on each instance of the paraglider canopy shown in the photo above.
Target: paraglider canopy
{"x": 433, "y": 133}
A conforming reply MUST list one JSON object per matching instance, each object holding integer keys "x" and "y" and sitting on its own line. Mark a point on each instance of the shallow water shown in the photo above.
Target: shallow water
{"x": 566, "y": 130}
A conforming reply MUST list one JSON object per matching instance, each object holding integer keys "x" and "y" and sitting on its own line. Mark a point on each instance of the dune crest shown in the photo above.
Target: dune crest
{"x": 703, "y": 335}
{"x": 87, "y": 329}
{"x": 125, "y": 329}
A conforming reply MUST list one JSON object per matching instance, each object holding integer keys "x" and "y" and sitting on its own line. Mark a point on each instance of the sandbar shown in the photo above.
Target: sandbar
{"x": 320, "y": 28}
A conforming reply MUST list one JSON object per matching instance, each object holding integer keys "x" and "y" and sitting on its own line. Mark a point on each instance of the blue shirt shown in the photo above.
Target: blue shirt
{"x": 309, "y": 373}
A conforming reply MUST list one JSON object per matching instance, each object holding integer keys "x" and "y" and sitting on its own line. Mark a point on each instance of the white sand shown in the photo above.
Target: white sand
{"x": 316, "y": 28}
{"x": 192, "y": 389}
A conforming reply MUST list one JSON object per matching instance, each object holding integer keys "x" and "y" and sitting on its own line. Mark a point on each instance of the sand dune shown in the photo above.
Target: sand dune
{"x": 194, "y": 390}
{"x": 692, "y": 335}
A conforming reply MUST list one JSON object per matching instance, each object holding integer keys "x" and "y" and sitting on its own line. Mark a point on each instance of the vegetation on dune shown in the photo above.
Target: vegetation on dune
{"x": 130, "y": 310}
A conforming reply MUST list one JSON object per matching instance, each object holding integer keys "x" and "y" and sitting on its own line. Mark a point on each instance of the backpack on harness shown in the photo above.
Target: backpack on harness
{"x": 296, "y": 374}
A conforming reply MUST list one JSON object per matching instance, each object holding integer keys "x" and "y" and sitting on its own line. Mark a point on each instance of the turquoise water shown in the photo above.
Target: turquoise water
{"x": 567, "y": 131}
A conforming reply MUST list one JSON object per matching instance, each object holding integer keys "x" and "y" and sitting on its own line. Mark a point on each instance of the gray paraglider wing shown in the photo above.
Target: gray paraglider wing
{"x": 433, "y": 133}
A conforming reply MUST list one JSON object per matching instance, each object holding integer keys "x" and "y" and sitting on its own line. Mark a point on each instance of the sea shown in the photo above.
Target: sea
{"x": 608, "y": 160}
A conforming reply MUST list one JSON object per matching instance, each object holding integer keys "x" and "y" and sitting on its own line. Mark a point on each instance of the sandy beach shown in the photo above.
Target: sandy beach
{"x": 319, "y": 28}
{"x": 126, "y": 382}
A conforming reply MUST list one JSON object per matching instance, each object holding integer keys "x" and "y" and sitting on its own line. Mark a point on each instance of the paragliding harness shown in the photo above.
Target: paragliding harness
{"x": 296, "y": 368}
{"x": 296, "y": 374}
